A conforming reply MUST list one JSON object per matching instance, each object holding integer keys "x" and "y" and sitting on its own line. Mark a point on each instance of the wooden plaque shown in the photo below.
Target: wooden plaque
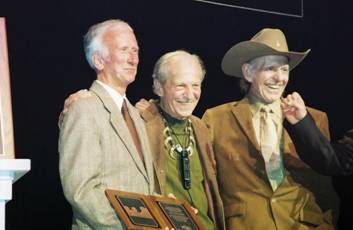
{"x": 7, "y": 147}
{"x": 179, "y": 214}
{"x": 140, "y": 211}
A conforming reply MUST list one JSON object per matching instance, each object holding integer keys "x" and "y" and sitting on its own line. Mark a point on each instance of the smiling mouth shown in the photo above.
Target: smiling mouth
{"x": 274, "y": 87}
{"x": 185, "y": 102}
{"x": 187, "y": 105}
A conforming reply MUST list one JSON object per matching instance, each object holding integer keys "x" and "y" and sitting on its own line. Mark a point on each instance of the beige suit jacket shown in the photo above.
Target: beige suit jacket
{"x": 96, "y": 153}
{"x": 249, "y": 202}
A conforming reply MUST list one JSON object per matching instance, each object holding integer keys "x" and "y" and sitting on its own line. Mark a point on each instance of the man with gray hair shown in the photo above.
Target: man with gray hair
{"x": 256, "y": 159}
{"x": 183, "y": 157}
{"x": 103, "y": 142}
{"x": 181, "y": 151}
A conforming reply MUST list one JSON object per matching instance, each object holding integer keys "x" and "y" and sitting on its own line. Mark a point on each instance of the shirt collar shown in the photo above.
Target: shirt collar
{"x": 256, "y": 105}
{"x": 117, "y": 98}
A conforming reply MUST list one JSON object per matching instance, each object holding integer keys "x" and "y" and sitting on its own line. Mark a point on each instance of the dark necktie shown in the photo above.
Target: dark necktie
{"x": 130, "y": 124}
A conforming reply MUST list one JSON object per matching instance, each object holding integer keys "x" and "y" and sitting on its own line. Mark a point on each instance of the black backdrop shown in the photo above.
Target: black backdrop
{"x": 47, "y": 64}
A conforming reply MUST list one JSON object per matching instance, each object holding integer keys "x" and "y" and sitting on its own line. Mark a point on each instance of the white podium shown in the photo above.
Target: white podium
{"x": 10, "y": 171}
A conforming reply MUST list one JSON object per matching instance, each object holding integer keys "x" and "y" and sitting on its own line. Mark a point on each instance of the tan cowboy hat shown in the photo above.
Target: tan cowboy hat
{"x": 266, "y": 42}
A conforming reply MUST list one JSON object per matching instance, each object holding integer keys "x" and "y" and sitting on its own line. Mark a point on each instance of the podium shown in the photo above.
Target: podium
{"x": 10, "y": 171}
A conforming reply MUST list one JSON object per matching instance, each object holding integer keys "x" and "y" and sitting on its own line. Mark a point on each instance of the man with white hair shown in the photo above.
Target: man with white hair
{"x": 103, "y": 142}
{"x": 181, "y": 150}
{"x": 255, "y": 157}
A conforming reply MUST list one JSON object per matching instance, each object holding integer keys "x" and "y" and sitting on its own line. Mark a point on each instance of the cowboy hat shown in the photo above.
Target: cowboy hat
{"x": 266, "y": 42}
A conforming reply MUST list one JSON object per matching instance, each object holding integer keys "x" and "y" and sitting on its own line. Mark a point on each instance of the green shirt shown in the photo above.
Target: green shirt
{"x": 196, "y": 195}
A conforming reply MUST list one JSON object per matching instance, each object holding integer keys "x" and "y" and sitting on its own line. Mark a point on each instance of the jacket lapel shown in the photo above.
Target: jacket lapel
{"x": 118, "y": 123}
{"x": 154, "y": 125}
{"x": 142, "y": 134}
{"x": 242, "y": 114}
{"x": 208, "y": 165}
{"x": 201, "y": 138}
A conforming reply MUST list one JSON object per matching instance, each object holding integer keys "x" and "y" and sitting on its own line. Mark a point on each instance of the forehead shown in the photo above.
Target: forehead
{"x": 121, "y": 35}
{"x": 270, "y": 60}
{"x": 184, "y": 68}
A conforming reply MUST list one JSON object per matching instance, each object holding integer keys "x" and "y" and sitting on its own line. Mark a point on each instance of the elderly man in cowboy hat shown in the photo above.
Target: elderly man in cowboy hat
{"x": 255, "y": 156}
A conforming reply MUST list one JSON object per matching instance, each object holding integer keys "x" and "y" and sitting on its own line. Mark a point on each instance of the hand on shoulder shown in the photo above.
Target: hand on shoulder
{"x": 83, "y": 93}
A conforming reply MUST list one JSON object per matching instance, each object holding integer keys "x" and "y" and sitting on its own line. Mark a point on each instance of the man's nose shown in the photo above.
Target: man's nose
{"x": 188, "y": 92}
{"x": 133, "y": 58}
{"x": 280, "y": 75}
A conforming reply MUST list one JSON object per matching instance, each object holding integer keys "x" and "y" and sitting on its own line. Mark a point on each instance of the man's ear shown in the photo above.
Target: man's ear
{"x": 157, "y": 88}
{"x": 245, "y": 68}
{"x": 98, "y": 61}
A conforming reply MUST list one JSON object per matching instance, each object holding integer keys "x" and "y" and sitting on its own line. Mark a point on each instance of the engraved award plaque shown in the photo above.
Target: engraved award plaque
{"x": 140, "y": 211}
{"x": 136, "y": 210}
{"x": 178, "y": 213}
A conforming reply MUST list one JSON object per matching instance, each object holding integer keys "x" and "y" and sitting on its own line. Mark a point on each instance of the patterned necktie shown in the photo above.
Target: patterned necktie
{"x": 130, "y": 124}
{"x": 269, "y": 142}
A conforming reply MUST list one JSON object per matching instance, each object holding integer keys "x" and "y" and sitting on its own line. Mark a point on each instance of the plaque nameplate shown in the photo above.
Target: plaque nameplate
{"x": 140, "y": 211}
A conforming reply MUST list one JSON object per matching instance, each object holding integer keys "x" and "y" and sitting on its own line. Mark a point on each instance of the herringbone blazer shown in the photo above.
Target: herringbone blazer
{"x": 96, "y": 153}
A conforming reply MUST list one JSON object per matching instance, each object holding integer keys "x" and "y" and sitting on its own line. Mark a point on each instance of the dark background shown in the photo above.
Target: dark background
{"x": 47, "y": 64}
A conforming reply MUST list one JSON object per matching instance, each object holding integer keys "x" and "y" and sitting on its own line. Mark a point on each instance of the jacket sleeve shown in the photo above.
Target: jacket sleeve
{"x": 315, "y": 149}
{"x": 80, "y": 165}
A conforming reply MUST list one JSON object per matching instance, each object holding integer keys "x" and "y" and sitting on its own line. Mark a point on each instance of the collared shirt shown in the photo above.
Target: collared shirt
{"x": 117, "y": 97}
{"x": 255, "y": 108}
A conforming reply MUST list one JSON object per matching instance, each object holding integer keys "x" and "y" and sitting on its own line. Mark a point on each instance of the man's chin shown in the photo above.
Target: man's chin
{"x": 131, "y": 79}
{"x": 271, "y": 100}
{"x": 185, "y": 115}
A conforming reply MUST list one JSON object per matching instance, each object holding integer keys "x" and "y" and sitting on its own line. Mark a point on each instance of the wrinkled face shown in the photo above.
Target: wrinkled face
{"x": 269, "y": 78}
{"x": 120, "y": 63}
{"x": 181, "y": 92}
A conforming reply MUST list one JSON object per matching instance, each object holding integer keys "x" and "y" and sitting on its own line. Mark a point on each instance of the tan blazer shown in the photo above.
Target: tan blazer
{"x": 249, "y": 202}
{"x": 96, "y": 153}
{"x": 155, "y": 127}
